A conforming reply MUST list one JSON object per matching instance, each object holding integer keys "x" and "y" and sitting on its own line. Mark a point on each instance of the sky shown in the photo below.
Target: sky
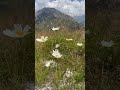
{"x": 69, "y": 7}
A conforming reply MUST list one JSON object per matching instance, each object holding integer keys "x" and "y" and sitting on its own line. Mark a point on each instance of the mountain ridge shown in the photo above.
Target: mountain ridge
{"x": 80, "y": 19}
{"x": 50, "y": 17}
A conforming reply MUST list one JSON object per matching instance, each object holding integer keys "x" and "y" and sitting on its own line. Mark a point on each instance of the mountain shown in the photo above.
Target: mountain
{"x": 47, "y": 18}
{"x": 80, "y": 19}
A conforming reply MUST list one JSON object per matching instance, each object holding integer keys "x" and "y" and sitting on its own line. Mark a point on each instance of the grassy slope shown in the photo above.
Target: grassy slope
{"x": 72, "y": 59}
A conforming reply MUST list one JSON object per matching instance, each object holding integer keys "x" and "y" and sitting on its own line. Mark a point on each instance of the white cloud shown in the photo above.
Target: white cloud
{"x": 72, "y": 8}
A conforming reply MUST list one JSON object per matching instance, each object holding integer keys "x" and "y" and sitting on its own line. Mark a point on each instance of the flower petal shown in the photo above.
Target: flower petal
{"x": 18, "y": 27}
{"x": 9, "y": 33}
{"x": 26, "y": 28}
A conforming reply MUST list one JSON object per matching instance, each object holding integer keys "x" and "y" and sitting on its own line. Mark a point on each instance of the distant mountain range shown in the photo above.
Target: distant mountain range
{"x": 47, "y": 18}
{"x": 80, "y": 19}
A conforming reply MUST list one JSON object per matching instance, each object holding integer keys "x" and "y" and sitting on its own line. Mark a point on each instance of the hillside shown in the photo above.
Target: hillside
{"x": 47, "y": 18}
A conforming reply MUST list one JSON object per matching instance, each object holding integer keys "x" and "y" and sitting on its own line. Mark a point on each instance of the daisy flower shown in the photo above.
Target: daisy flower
{"x": 18, "y": 31}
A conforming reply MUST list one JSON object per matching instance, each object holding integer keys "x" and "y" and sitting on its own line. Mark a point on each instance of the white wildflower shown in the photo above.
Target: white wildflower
{"x": 49, "y": 63}
{"x": 55, "y": 29}
{"x": 18, "y": 31}
{"x": 69, "y": 39}
{"x": 68, "y": 73}
{"x": 79, "y": 44}
{"x": 57, "y": 46}
{"x": 46, "y": 88}
{"x": 56, "y": 53}
{"x": 107, "y": 44}
{"x": 42, "y": 39}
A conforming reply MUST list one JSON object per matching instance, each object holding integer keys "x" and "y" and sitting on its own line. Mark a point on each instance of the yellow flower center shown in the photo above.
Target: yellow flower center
{"x": 19, "y": 33}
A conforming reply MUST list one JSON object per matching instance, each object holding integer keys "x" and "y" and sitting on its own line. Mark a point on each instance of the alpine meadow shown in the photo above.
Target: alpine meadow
{"x": 59, "y": 51}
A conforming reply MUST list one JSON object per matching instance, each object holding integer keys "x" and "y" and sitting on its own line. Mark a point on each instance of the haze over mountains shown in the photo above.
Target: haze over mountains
{"x": 47, "y": 18}
{"x": 80, "y": 19}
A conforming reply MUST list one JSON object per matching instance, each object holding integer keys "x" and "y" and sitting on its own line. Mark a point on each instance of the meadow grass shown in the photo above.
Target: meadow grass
{"x": 72, "y": 60}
